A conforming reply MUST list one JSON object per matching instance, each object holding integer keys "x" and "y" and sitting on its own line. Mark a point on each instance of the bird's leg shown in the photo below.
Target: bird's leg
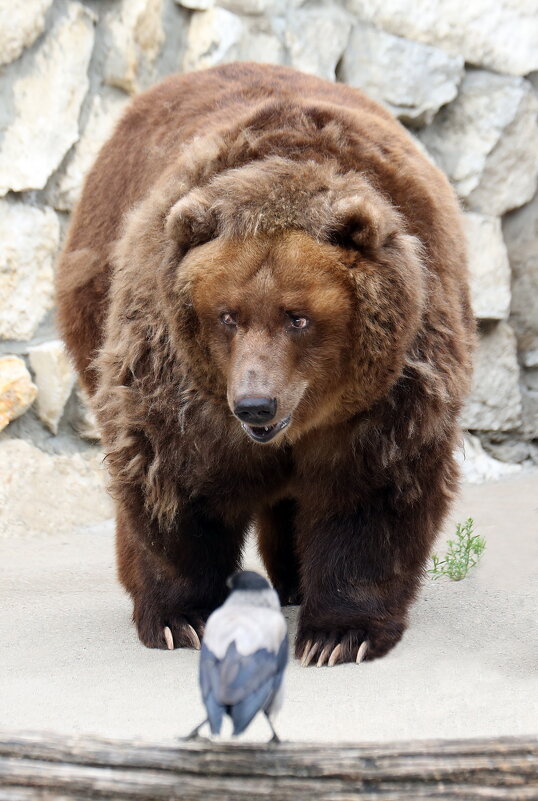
{"x": 275, "y": 738}
{"x": 195, "y": 733}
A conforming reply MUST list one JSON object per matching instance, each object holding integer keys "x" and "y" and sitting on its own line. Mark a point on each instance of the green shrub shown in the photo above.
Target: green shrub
{"x": 463, "y": 553}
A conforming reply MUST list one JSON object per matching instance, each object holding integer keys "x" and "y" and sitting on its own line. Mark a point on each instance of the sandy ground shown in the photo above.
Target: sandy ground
{"x": 71, "y": 662}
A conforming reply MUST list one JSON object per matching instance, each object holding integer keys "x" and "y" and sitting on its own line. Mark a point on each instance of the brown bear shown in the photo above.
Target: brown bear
{"x": 264, "y": 290}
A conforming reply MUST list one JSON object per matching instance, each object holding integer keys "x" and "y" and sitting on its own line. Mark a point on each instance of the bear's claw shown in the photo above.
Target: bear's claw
{"x": 188, "y": 633}
{"x": 308, "y": 653}
{"x": 333, "y": 659}
{"x": 195, "y": 638}
{"x": 361, "y": 653}
{"x": 169, "y": 638}
{"x": 158, "y": 629}
{"x": 323, "y": 656}
{"x": 331, "y": 654}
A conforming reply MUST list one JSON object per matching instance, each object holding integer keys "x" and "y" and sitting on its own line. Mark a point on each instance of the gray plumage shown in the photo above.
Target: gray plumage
{"x": 244, "y": 654}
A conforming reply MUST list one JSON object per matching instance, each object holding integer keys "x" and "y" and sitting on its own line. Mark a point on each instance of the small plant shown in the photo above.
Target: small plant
{"x": 463, "y": 553}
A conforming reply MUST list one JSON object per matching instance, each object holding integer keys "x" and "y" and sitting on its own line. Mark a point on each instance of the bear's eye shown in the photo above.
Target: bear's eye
{"x": 299, "y": 322}
{"x": 228, "y": 318}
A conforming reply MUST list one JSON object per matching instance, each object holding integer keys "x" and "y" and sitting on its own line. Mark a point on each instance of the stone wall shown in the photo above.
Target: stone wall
{"x": 463, "y": 76}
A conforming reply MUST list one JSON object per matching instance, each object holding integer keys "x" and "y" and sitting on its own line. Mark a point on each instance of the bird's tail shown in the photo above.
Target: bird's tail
{"x": 243, "y": 712}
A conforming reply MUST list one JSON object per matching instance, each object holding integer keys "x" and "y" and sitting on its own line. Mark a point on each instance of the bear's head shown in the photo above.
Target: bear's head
{"x": 292, "y": 292}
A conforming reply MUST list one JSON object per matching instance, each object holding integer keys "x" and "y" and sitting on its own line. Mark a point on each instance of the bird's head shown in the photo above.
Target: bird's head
{"x": 248, "y": 587}
{"x": 247, "y": 580}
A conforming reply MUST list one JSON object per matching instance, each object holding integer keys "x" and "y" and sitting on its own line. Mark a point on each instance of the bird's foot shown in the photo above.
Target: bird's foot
{"x": 194, "y": 734}
{"x": 275, "y": 738}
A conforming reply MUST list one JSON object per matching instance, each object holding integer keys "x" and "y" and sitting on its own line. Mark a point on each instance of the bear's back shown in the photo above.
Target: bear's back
{"x": 159, "y": 122}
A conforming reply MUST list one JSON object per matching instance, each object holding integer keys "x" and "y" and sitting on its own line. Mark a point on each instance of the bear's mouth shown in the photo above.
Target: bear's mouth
{"x": 265, "y": 433}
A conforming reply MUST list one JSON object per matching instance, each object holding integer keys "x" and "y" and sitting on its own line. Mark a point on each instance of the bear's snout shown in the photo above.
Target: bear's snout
{"x": 255, "y": 411}
{"x": 256, "y": 414}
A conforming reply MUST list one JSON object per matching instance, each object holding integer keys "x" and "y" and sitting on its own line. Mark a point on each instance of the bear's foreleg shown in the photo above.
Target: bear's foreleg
{"x": 275, "y": 527}
{"x": 361, "y": 567}
{"x": 176, "y": 577}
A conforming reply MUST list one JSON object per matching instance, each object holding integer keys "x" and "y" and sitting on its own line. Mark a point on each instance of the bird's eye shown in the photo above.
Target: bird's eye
{"x": 299, "y": 322}
{"x": 228, "y": 318}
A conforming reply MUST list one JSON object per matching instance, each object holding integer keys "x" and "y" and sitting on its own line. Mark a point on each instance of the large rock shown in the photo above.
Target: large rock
{"x": 196, "y": 5}
{"x": 507, "y": 447}
{"x": 412, "y": 79}
{"x": 42, "y": 494}
{"x": 237, "y": 6}
{"x": 135, "y": 36}
{"x": 499, "y": 34}
{"x": 251, "y": 6}
{"x": 254, "y": 6}
{"x": 487, "y": 141}
{"x": 84, "y": 421}
{"x": 219, "y": 36}
{"x": 214, "y": 38}
{"x": 489, "y": 267}
{"x": 530, "y": 378}
{"x": 520, "y": 231}
{"x": 259, "y": 43}
{"x": 46, "y": 89}
{"x": 529, "y": 424}
{"x": 105, "y": 110}
{"x": 54, "y": 378}
{"x": 477, "y": 466}
{"x": 495, "y": 400}
{"x": 17, "y": 392}
{"x": 21, "y": 22}
{"x": 316, "y": 39}
{"x": 29, "y": 239}
{"x": 144, "y": 40}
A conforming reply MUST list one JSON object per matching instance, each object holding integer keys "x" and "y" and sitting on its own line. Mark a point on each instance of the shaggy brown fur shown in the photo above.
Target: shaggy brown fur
{"x": 249, "y": 231}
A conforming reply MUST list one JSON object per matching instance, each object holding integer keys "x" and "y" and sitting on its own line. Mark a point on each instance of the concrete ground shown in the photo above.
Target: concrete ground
{"x": 71, "y": 662}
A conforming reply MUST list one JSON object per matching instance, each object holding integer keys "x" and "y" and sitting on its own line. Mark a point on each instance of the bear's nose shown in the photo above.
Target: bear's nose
{"x": 255, "y": 411}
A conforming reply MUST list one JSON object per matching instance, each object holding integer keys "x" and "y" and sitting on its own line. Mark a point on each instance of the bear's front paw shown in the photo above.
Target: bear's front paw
{"x": 168, "y": 631}
{"x": 321, "y": 647}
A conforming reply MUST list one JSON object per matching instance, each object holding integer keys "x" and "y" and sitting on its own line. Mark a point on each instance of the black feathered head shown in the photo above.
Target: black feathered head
{"x": 247, "y": 580}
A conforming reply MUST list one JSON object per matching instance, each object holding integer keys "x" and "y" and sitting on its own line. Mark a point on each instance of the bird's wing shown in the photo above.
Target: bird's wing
{"x": 240, "y": 685}
{"x": 245, "y": 710}
{"x": 236, "y": 676}
{"x": 215, "y": 710}
{"x": 262, "y": 686}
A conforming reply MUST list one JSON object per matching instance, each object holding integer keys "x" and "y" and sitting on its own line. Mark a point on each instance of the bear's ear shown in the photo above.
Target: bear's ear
{"x": 191, "y": 220}
{"x": 364, "y": 221}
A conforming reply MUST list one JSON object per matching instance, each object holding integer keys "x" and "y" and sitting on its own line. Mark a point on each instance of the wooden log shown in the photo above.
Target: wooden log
{"x": 41, "y": 767}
